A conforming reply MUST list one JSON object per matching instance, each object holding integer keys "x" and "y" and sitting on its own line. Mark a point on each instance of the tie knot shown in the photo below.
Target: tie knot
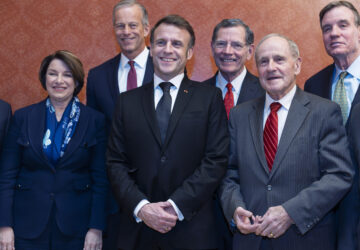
{"x": 165, "y": 86}
{"x": 275, "y": 106}
{"x": 342, "y": 75}
{"x": 229, "y": 86}
{"x": 131, "y": 63}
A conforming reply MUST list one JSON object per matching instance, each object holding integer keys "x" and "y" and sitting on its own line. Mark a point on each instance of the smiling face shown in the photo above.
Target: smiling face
{"x": 230, "y": 51}
{"x": 277, "y": 66}
{"x": 341, "y": 35}
{"x": 170, "y": 51}
{"x": 60, "y": 83}
{"x": 130, "y": 31}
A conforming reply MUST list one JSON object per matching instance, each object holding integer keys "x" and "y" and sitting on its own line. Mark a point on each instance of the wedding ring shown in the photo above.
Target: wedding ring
{"x": 271, "y": 235}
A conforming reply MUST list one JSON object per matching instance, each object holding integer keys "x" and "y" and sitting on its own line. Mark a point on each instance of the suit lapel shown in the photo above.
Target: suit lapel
{"x": 149, "y": 110}
{"x": 113, "y": 78}
{"x": 182, "y": 99}
{"x": 77, "y": 138}
{"x": 149, "y": 71}
{"x": 247, "y": 89}
{"x": 256, "y": 127}
{"x": 295, "y": 118}
{"x": 36, "y": 130}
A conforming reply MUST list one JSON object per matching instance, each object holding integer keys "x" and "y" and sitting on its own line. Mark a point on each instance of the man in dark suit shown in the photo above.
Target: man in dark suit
{"x": 340, "y": 23}
{"x": 232, "y": 45}
{"x": 282, "y": 184}
{"x": 168, "y": 150}
{"x": 5, "y": 116}
{"x": 106, "y": 81}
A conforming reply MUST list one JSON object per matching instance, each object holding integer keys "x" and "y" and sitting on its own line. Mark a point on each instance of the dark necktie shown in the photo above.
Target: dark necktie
{"x": 340, "y": 96}
{"x": 229, "y": 99}
{"x": 271, "y": 134}
{"x": 163, "y": 109}
{"x": 131, "y": 80}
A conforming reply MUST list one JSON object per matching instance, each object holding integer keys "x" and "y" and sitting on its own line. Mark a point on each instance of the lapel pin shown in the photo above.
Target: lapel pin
{"x": 186, "y": 91}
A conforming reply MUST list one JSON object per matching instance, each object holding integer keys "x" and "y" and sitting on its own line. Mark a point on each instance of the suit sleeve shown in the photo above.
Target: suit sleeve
{"x": 311, "y": 204}
{"x": 199, "y": 187}
{"x": 9, "y": 168}
{"x": 229, "y": 191}
{"x": 98, "y": 176}
{"x": 119, "y": 167}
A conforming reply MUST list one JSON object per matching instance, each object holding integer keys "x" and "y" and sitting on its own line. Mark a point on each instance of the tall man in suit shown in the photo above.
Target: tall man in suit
{"x": 232, "y": 45}
{"x": 5, "y": 116}
{"x": 281, "y": 185}
{"x": 168, "y": 150}
{"x": 340, "y": 25}
{"x": 131, "y": 68}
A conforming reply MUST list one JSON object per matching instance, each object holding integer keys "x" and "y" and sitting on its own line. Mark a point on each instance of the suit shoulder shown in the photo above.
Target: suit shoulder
{"x": 210, "y": 81}
{"x": 105, "y": 65}
{"x": 319, "y": 76}
{"x": 92, "y": 112}
{"x": 4, "y": 106}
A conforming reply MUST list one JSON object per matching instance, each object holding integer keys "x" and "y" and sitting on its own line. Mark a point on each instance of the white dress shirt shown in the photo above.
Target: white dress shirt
{"x": 351, "y": 81}
{"x": 158, "y": 93}
{"x": 283, "y": 111}
{"x": 124, "y": 68}
{"x": 236, "y": 83}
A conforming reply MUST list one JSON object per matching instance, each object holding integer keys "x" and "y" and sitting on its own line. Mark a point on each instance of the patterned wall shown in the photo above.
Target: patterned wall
{"x": 32, "y": 29}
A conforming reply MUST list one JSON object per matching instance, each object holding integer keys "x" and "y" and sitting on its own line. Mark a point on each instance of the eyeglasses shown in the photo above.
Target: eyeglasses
{"x": 235, "y": 45}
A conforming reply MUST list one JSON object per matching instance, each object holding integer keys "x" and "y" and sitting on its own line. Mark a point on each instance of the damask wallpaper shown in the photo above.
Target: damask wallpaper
{"x": 32, "y": 29}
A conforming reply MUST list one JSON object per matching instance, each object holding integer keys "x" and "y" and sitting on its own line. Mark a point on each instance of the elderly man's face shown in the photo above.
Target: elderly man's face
{"x": 277, "y": 67}
{"x": 130, "y": 31}
{"x": 230, "y": 51}
{"x": 341, "y": 36}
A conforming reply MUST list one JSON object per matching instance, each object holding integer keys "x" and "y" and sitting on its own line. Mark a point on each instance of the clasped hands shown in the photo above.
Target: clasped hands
{"x": 272, "y": 224}
{"x": 160, "y": 216}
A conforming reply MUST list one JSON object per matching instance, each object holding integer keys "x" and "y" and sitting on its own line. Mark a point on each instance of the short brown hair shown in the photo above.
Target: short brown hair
{"x": 72, "y": 61}
{"x": 336, "y": 4}
{"x": 177, "y": 21}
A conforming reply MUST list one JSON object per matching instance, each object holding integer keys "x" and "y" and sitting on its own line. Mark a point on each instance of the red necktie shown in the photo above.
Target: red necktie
{"x": 271, "y": 134}
{"x": 229, "y": 99}
{"x": 131, "y": 80}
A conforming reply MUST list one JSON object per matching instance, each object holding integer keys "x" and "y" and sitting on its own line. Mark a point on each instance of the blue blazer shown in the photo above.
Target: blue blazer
{"x": 30, "y": 186}
{"x": 102, "y": 89}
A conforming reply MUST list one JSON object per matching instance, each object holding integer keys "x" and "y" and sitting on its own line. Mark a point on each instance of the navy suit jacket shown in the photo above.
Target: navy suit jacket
{"x": 348, "y": 211}
{"x": 102, "y": 89}
{"x": 5, "y": 117}
{"x": 30, "y": 186}
{"x": 186, "y": 168}
{"x": 250, "y": 88}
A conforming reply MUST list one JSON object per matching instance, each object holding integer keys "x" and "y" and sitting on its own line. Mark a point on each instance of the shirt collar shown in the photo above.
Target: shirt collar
{"x": 176, "y": 81}
{"x": 236, "y": 83}
{"x": 285, "y": 101}
{"x": 353, "y": 69}
{"x": 140, "y": 60}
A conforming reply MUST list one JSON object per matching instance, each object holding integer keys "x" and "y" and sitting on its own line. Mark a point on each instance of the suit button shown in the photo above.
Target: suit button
{"x": 19, "y": 185}
{"x": 51, "y": 196}
{"x": 269, "y": 187}
{"x": 163, "y": 159}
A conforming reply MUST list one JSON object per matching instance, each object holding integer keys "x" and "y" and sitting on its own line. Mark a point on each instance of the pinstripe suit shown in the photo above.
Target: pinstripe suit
{"x": 311, "y": 171}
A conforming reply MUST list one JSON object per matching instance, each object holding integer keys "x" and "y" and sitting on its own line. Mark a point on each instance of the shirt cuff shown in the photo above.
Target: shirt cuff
{"x": 177, "y": 210}
{"x": 137, "y": 209}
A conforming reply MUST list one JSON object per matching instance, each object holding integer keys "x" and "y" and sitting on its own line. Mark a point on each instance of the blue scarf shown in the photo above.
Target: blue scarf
{"x": 58, "y": 134}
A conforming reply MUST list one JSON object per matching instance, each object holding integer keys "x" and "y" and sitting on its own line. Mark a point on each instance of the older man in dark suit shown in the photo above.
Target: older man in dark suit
{"x": 168, "y": 150}
{"x": 129, "y": 69}
{"x": 340, "y": 25}
{"x": 282, "y": 184}
{"x": 5, "y": 116}
{"x": 232, "y": 45}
